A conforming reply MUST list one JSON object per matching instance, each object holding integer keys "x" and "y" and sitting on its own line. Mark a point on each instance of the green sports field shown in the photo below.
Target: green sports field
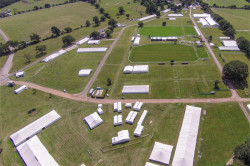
{"x": 162, "y": 53}
{"x": 20, "y": 27}
{"x": 167, "y": 31}
{"x": 239, "y": 18}
{"x": 238, "y": 3}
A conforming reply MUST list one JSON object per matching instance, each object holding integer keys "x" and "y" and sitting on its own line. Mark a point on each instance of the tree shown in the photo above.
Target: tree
{"x": 92, "y": 2}
{"x": 12, "y": 43}
{"x": 244, "y": 45}
{"x": 4, "y": 49}
{"x": 87, "y": 24}
{"x": 56, "y": 31}
{"x": 108, "y": 33}
{"x": 97, "y": 6}
{"x": 112, "y": 22}
{"x": 107, "y": 15}
{"x": 101, "y": 10}
{"x": 47, "y": 5}
{"x": 102, "y": 18}
{"x": 230, "y": 32}
{"x": 27, "y": 57}
{"x": 127, "y": 15}
{"x": 164, "y": 23}
{"x": 41, "y": 50}
{"x": 140, "y": 23}
{"x": 96, "y": 20}
{"x": 68, "y": 29}
{"x": 109, "y": 82}
{"x": 158, "y": 14}
{"x": 95, "y": 35}
{"x": 210, "y": 38}
{"x": 67, "y": 40}
{"x": 242, "y": 152}
{"x": 172, "y": 62}
{"x": 36, "y": 8}
{"x": 216, "y": 82}
{"x": 22, "y": 44}
{"x": 121, "y": 10}
{"x": 235, "y": 71}
{"x": 162, "y": 6}
{"x": 35, "y": 38}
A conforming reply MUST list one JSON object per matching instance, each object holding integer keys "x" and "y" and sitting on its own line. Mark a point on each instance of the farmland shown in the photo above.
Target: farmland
{"x": 167, "y": 31}
{"x": 70, "y": 135}
{"x": 239, "y": 18}
{"x": 40, "y": 22}
{"x": 29, "y": 5}
{"x": 238, "y": 3}
{"x": 162, "y": 53}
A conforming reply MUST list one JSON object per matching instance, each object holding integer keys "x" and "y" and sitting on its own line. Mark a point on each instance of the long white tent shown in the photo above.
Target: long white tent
{"x": 54, "y": 55}
{"x": 128, "y": 69}
{"x": 175, "y": 15}
{"x": 147, "y": 17}
{"x": 84, "y": 72}
{"x": 229, "y": 43}
{"x": 93, "y": 120}
{"x": 84, "y": 40}
{"x": 86, "y": 50}
{"x": 203, "y": 15}
{"x": 123, "y": 136}
{"x": 20, "y": 89}
{"x": 93, "y": 42}
{"x": 161, "y": 153}
{"x": 224, "y": 48}
{"x": 140, "y": 69}
{"x": 137, "y": 41}
{"x": 33, "y": 153}
{"x": 135, "y": 89}
{"x": 35, "y": 127}
{"x": 185, "y": 149}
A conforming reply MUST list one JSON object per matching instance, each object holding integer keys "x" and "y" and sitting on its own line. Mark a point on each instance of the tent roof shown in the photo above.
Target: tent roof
{"x": 161, "y": 153}
{"x": 93, "y": 120}
{"x": 33, "y": 128}
{"x": 34, "y": 153}
{"x": 150, "y": 164}
{"x": 133, "y": 89}
{"x": 147, "y": 17}
{"x": 229, "y": 43}
{"x": 84, "y": 71}
{"x": 96, "y": 49}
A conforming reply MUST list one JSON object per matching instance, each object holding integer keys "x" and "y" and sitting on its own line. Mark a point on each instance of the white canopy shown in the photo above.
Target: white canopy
{"x": 35, "y": 127}
{"x": 204, "y": 22}
{"x": 248, "y": 106}
{"x": 91, "y": 42}
{"x": 54, "y": 55}
{"x": 20, "y": 89}
{"x": 123, "y": 136}
{"x": 19, "y": 74}
{"x": 135, "y": 89}
{"x": 229, "y": 43}
{"x": 96, "y": 49}
{"x": 172, "y": 19}
{"x": 84, "y": 72}
{"x": 175, "y": 15}
{"x": 161, "y": 153}
{"x": 142, "y": 118}
{"x": 224, "y": 38}
{"x": 211, "y": 22}
{"x": 150, "y": 164}
{"x": 185, "y": 148}
{"x": 204, "y": 15}
{"x": 33, "y": 153}
{"x": 147, "y": 17}
{"x": 166, "y": 10}
{"x": 93, "y": 120}
{"x": 84, "y": 40}
{"x": 224, "y": 48}
{"x": 128, "y": 69}
{"x": 137, "y": 41}
{"x": 140, "y": 69}
{"x": 138, "y": 130}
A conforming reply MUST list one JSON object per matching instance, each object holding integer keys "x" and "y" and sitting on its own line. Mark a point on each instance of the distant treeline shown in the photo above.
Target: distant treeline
{"x": 4, "y": 3}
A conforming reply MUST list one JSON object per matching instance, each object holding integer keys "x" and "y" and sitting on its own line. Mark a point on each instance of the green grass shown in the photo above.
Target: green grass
{"x": 71, "y": 135}
{"x": 224, "y": 127}
{"x": 1, "y": 39}
{"x": 238, "y": 3}
{"x": 163, "y": 52}
{"x": 243, "y": 34}
{"x": 29, "y": 5}
{"x": 3, "y": 60}
{"x": 239, "y": 18}
{"x": 178, "y": 22}
{"x": 165, "y": 81}
{"x": 55, "y": 76}
{"x": 167, "y": 31}
{"x": 73, "y": 15}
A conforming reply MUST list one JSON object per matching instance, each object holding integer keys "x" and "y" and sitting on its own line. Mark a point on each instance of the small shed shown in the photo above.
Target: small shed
{"x": 19, "y": 74}
{"x": 198, "y": 44}
{"x": 84, "y": 72}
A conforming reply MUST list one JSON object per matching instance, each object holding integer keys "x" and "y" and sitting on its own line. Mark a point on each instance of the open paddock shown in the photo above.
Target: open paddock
{"x": 238, "y": 3}
{"x": 71, "y": 135}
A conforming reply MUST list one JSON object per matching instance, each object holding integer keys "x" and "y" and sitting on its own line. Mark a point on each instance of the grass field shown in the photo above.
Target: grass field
{"x": 29, "y": 5}
{"x": 243, "y": 34}
{"x": 55, "y": 76}
{"x": 238, "y": 3}
{"x": 239, "y": 18}
{"x": 167, "y": 31}
{"x": 73, "y": 15}
{"x": 70, "y": 135}
{"x": 162, "y": 53}
{"x": 178, "y": 22}
{"x": 1, "y": 40}
{"x": 2, "y": 60}
{"x": 165, "y": 81}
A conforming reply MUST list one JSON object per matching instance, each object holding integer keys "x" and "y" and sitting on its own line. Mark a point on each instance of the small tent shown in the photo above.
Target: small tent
{"x": 93, "y": 120}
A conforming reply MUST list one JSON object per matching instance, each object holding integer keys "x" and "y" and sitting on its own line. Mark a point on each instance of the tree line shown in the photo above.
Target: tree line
{"x": 4, "y": 3}
{"x": 247, "y": 7}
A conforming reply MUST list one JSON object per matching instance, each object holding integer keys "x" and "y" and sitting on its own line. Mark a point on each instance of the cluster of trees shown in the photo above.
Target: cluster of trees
{"x": 247, "y": 7}
{"x": 242, "y": 154}
{"x": 225, "y": 26}
{"x": 244, "y": 46}
{"x": 236, "y": 71}
{"x": 175, "y": 8}
{"x": 4, "y": 50}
